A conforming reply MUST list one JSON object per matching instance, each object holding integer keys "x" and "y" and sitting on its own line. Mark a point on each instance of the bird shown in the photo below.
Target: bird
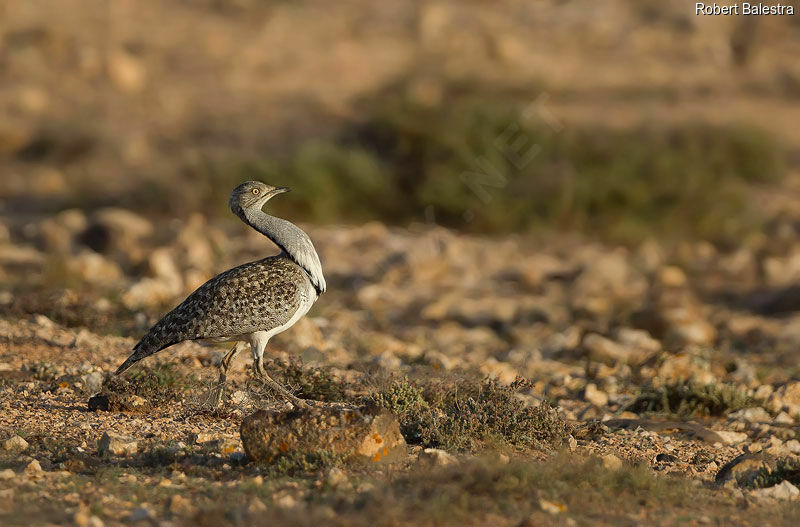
{"x": 248, "y": 304}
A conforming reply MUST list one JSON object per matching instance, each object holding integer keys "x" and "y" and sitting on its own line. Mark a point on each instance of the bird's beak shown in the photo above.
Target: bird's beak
{"x": 280, "y": 190}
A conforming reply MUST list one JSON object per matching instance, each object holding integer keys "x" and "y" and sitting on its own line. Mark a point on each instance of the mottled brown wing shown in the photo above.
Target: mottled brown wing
{"x": 257, "y": 296}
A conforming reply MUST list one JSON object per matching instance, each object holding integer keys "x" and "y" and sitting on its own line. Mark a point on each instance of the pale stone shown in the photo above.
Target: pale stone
{"x": 731, "y": 438}
{"x": 595, "y": 396}
{"x": 434, "y": 457}
{"x": 33, "y": 468}
{"x": 782, "y": 491}
{"x": 116, "y": 444}
{"x": 612, "y": 462}
{"x": 15, "y": 444}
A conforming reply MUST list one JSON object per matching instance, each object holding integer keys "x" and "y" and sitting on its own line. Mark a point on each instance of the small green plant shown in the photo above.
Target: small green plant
{"x": 160, "y": 456}
{"x": 44, "y": 371}
{"x": 296, "y": 464}
{"x": 306, "y": 382}
{"x": 159, "y": 384}
{"x": 468, "y": 415}
{"x": 688, "y": 399}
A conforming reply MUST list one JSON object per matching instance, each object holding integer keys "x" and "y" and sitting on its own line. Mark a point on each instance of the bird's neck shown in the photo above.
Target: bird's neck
{"x": 291, "y": 239}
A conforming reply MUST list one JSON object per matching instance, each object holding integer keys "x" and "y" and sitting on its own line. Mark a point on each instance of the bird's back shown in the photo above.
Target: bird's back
{"x": 256, "y": 296}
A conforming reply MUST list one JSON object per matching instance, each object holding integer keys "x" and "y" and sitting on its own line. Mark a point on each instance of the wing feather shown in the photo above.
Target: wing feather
{"x": 256, "y": 296}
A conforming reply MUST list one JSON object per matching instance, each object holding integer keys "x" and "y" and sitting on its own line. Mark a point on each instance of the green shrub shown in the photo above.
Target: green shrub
{"x": 691, "y": 399}
{"x": 306, "y": 382}
{"x": 461, "y": 162}
{"x": 467, "y": 415}
{"x": 787, "y": 469}
{"x": 159, "y": 384}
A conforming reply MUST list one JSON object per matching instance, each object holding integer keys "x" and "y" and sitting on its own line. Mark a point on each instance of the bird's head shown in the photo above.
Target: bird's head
{"x": 252, "y": 194}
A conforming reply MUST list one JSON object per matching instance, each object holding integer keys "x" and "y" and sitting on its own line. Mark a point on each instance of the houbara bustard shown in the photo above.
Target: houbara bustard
{"x": 247, "y": 304}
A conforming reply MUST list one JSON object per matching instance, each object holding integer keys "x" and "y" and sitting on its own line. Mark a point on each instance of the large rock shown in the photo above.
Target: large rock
{"x": 368, "y": 434}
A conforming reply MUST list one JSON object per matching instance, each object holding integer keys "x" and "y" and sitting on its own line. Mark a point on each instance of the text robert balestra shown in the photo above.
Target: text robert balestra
{"x": 743, "y": 8}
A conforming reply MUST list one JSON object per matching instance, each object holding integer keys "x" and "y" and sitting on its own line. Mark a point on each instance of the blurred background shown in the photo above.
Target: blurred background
{"x": 505, "y": 171}
{"x": 631, "y": 115}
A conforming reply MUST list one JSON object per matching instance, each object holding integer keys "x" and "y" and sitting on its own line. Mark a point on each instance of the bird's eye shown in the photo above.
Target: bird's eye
{"x": 255, "y": 191}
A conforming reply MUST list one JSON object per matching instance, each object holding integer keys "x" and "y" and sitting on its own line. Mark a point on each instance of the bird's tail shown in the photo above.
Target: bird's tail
{"x": 144, "y": 348}
{"x": 130, "y": 361}
{"x": 135, "y": 357}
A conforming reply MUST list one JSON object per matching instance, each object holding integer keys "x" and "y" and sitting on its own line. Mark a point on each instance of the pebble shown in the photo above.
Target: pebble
{"x": 434, "y": 457}
{"x": 611, "y": 462}
{"x": 595, "y": 396}
{"x": 139, "y": 514}
{"x": 603, "y": 349}
{"x": 181, "y": 506}
{"x": 552, "y": 507}
{"x": 84, "y": 519}
{"x": 33, "y": 468}
{"x": 286, "y": 501}
{"x": 15, "y": 444}
{"x": 336, "y": 478}
{"x": 256, "y": 506}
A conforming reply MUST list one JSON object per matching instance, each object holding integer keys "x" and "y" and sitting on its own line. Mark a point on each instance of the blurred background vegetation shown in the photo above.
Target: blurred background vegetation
{"x": 621, "y": 119}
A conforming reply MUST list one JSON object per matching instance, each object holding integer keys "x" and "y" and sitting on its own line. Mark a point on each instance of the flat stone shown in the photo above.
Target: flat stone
{"x": 731, "y": 438}
{"x": 368, "y": 433}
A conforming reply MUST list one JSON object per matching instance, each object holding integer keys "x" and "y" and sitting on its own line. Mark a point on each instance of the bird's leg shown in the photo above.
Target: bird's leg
{"x": 258, "y": 365}
{"x": 224, "y": 364}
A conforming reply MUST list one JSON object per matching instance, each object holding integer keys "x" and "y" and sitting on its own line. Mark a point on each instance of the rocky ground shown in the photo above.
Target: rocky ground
{"x": 672, "y": 372}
